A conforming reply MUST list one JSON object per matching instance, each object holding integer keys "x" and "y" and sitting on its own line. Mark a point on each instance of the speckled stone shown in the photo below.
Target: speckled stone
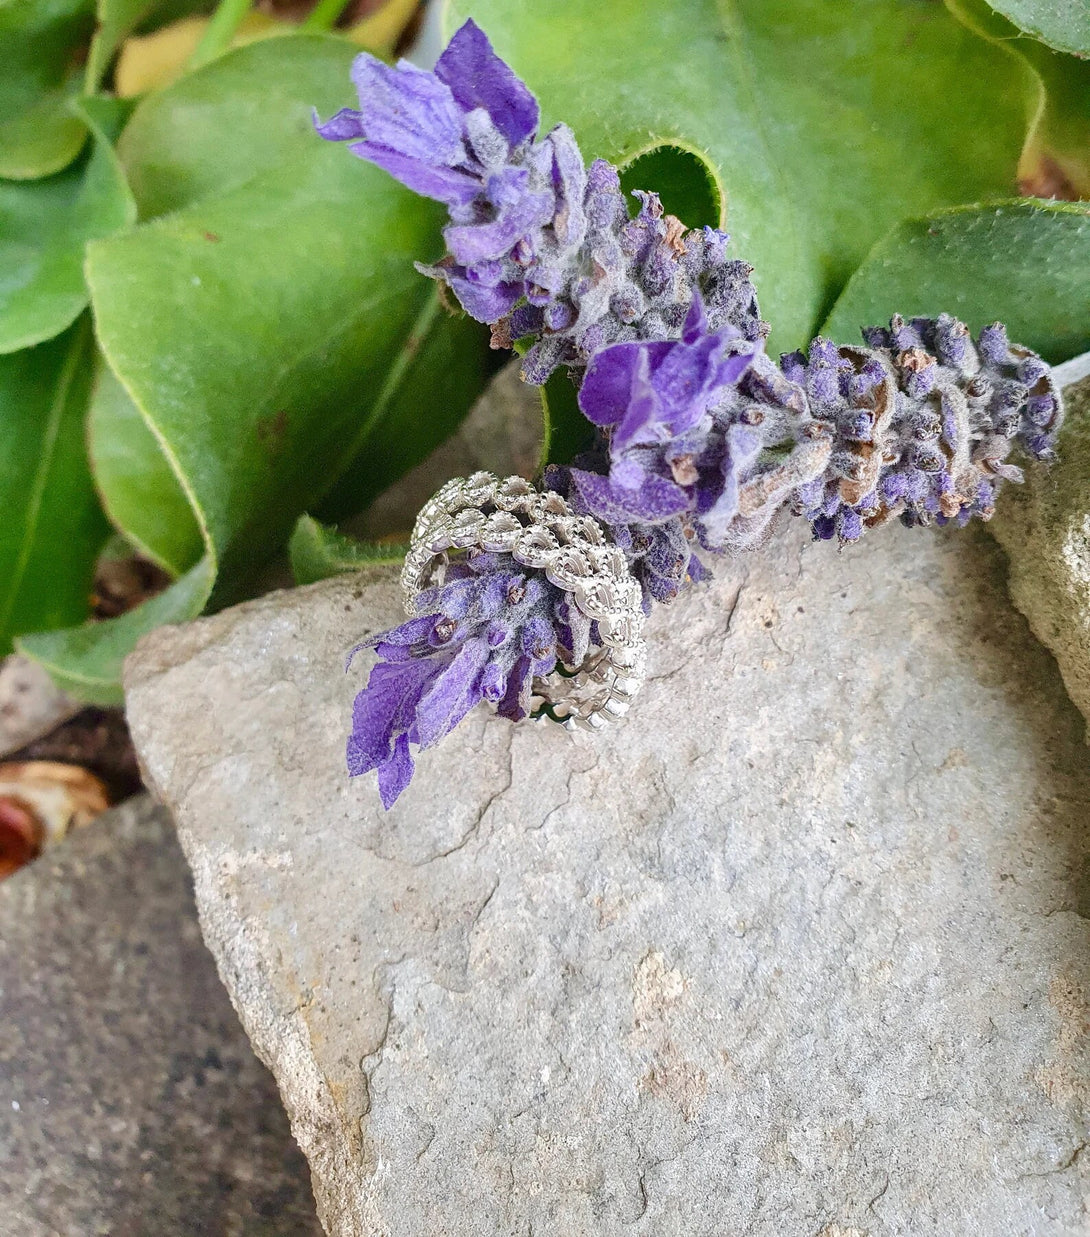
{"x": 800, "y": 948}
{"x": 1045, "y": 528}
{"x": 30, "y": 703}
{"x": 131, "y": 1103}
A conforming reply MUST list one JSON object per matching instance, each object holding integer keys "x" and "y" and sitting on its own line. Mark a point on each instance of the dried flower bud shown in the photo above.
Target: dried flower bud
{"x": 945, "y": 415}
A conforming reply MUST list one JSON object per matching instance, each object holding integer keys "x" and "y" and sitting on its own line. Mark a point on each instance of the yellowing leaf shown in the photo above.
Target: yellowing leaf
{"x": 380, "y": 31}
{"x": 152, "y": 61}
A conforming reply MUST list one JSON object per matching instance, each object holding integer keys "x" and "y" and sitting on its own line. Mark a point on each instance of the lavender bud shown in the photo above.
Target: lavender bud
{"x": 942, "y": 422}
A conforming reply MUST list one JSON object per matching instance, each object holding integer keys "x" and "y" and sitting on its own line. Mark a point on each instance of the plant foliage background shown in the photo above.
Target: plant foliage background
{"x": 211, "y": 332}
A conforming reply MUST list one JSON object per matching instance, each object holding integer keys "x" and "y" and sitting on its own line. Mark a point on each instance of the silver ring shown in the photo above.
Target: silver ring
{"x": 540, "y": 531}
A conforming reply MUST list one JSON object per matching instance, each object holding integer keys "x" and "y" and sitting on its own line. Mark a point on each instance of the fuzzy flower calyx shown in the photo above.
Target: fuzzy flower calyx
{"x": 703, "y": 427}
{"x": 538, "y": 244}
{"x": 923, "y": 423}
{"x": 483, "y": 635}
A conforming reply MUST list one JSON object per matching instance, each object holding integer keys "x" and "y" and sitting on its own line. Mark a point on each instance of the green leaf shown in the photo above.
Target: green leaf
{"x": 1024, "y": 263}
{"x": 41, "y": 140}
{"x": 567, "y": 431}
{"x": 826, "y": 123}
{"x": 233, "y": 121}
{"x": 87, "y": 661}
{"x": 44, "y": 228}
{"x": 40, "y": 45}
{"x": 684, "y": 181}
{"x": 441, "y": 355}
{"x": 52, "y": 527}
{"x": 1062, "y": 24}
{"x": 254, "y": 331}
{"x": 1055, "y": 161}
{"x": 140, "y": 490}
{"x": 318, "y": 552}
{"x": 265, "y": 336}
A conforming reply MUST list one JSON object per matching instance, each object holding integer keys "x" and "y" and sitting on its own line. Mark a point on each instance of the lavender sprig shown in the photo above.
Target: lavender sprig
{"x": 484, "y": 635}
{"x": 701, "y": 440}
{"x": 538, "y": 245}
{"x": 923, "y": 421}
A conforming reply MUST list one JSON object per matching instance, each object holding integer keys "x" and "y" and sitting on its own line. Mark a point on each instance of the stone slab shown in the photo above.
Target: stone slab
{"x": 801, "y": 948}
{"x": 30, "y": 704}
{"x": 1045, "y": 528}
{"x": 131, "y": 1103}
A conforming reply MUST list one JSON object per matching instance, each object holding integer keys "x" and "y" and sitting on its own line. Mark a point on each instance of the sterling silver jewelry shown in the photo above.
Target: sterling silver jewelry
{"x": 540, "y": 531}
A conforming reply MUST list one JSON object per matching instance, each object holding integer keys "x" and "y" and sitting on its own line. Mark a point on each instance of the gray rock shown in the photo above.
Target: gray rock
{"x": 130, "y": 1102}
{"x": 30, "y": 704}
{"x": 1045, "y": 528}
{"x": 800, "y": 948}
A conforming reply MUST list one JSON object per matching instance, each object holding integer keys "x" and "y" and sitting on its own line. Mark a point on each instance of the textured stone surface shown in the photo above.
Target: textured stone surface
{"x": 801, "y": 948}
{"x": 30, "y": 704}
{"x": 1045, "y": 528}
{"x": 130, "y": 1102}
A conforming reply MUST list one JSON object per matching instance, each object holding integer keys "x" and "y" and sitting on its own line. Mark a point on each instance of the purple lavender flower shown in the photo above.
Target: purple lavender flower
{"x": 628, "y": 280}
{"x": 923, "y": 423}
{"x": 463, "y": 135}
{"x": 704, "y": 427}
{"x": 701, "y": 439}
{"x": 538, "y": 245}
{"x": 438, "y": 133}
{"x": 491, "y": 627}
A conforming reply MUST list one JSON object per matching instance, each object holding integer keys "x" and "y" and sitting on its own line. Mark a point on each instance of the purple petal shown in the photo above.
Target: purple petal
{"x": 452, "y": 694}
{"x": 642, "y": 421}
{"x": 409, "y": 110}
{"x": 696, "y": 323}
{"x": 443, "y": 184}
{"x": 393, "y": 652}
{"x": 731, "y": 368}
{"x": 484, "y": 304}
{"x": 385, "y": 705}
{"x": 516, "y": 702}
{"x": 686, "y": 381}
{"x": 410, "y": 632}
{"x": 656, "y": 500}
{"x": 477, "y": 77}
{"x": 395, "y": 773}
{"x": 344, "y": 127}
{"x": 607, "y": 385}
{"x": 519, "y": 210}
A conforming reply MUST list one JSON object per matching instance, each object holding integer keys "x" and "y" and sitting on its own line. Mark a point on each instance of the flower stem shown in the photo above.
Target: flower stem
{"x": 324, "y": 15}
{"x": 220, "y": 31}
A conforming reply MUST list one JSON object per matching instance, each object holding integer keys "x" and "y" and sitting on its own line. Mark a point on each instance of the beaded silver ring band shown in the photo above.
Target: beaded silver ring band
{"x": 540, "y": 531}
